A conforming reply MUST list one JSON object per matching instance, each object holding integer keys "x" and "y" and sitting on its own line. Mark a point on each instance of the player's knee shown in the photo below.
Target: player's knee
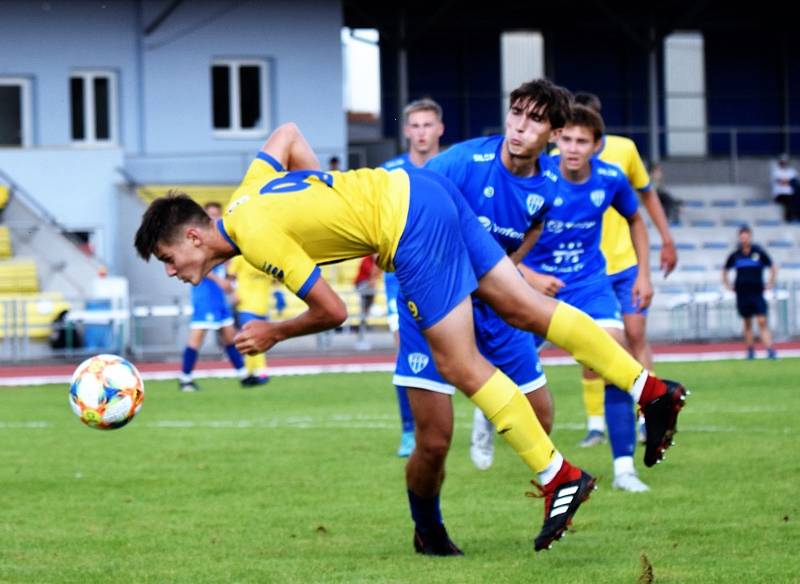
{"x": 433, "y": 446}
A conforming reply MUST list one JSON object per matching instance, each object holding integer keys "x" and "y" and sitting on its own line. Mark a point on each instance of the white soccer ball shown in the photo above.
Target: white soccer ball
{"x": 106, "y": 392}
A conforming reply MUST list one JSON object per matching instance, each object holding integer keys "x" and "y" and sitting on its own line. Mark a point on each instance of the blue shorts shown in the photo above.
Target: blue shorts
{"x": 622, "y": 282}
{"x": 750, "y": 304}
{"x": 443, "y": 251}
{"x": 245, "y": 317}
{"x": 211, "y": 314}
{"x": 391, "y": 287}
{"x": 511, "y": 350}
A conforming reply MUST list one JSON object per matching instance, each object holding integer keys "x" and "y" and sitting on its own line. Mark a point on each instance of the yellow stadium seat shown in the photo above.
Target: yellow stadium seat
{"x": 5, "y": 242}
{"x": 18, "y": 276}
{"x": 4, "y": 193}
{"x": 30, "y": 315}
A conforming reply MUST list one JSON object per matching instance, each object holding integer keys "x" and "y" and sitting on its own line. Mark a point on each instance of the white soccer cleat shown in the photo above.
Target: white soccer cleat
{"x": 481, "y": 448}
{"x": 629, "y": 482}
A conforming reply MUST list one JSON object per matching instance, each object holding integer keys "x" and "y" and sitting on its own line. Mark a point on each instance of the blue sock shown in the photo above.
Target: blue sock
{"x": 425, "y": 512}
{"x": 621, "y": 421}
{"x": 189, "y": 360}
{"x": 234, "y": 356}
{"x": 406, "y": 417}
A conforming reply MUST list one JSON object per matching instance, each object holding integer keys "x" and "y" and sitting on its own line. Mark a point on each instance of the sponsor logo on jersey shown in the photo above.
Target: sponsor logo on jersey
{"x": 418, "y": 361}
{"x": 568, "y": 253}
{"x": 608, "y": 171}
{"x": 598, "y": 197}
{"x": 557, "y": 226}
{"x": 549, "y": 174}
{"x": 535, "y": 203}
{"x": 236, "y": 203}
{"x": 488, "y": 157}
{"x": 486, "y": 222}
{"x": 273, "y": 271}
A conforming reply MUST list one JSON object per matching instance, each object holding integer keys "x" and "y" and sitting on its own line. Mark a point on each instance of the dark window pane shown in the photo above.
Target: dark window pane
{"x": 102, "y": 123}
{"x": 221, "y": 96}
{"x": 250, "y": 96}
{"x": 76, "y": 100}
{"x": 10, "y": 115}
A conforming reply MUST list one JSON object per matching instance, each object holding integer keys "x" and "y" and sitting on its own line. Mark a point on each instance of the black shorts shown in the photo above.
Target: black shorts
{"x": 751, "y": 304}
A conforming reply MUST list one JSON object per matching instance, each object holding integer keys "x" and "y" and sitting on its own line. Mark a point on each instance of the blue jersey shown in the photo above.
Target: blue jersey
{"x": 749, "y": 269}
{"x": 507, "y": 205}
{"x": 208, "y": 292}
{"x": 569, "y": 246}
{"x": 402, "y": 161}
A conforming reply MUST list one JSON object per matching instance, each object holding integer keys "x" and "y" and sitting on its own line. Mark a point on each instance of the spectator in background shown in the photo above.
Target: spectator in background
{"x": 672, "y": 205}
{"x": 334, "y": 163}
{"x": 786, "y": 188}
{"x": 749, "y": 261}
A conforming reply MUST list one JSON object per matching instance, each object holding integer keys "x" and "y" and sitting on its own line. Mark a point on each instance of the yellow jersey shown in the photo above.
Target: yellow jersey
{"x": 252, "y": 287}
{"x": 615, "y": 241}
{"x": 285, "y": 223}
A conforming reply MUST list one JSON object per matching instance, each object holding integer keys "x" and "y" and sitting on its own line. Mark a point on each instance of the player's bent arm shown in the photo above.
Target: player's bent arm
{"x": 642, "y": 288}
{"x": 288, "y": 146}
{"x": 669, "y": 255}
{"x": 773, "y": 276}
{"x": 530, "y": 239}
{"x": 325, "y": 311}
{"x": 725, "y": 281}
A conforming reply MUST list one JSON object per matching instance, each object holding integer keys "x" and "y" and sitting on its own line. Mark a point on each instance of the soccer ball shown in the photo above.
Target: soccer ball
{"x": 106, "y": 392}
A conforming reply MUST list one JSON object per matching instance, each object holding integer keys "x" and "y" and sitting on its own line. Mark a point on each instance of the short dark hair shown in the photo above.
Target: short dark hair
{"x": 745, "y": 228}
{"x": 589, "y": 100}
{"x": 586, "y": 117}
{"x": 163, "y": 219}
{"x": 551, "y": 100}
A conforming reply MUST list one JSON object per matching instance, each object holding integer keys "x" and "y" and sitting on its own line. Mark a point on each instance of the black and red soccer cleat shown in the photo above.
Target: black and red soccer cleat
{"x": 562, "y": 497}
{"x": 661, "y": 402}
{"x": 435, "y": 542}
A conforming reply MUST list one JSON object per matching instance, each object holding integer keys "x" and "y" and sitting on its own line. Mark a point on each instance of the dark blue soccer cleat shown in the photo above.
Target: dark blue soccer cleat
{"x": 435, "y": 542}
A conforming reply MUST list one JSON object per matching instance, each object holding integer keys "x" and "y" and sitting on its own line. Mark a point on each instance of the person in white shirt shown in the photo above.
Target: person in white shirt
{"x": 785, "y": 188}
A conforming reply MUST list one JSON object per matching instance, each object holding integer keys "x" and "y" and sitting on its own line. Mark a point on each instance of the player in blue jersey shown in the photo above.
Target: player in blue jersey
{"x": 510, "y": 184}
{"x": 423, "y": 128}
{"x": 210, "y": 311}
{"x": 750, "y": 260}
{"x": 569, "y": 251}
{"x": 288, "y": 222}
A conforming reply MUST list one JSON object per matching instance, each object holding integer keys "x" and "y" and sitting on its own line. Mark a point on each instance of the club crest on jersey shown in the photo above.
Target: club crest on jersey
{"x": 412, "y": 307}
{"x": 597, "y": 197}
{"x": 535, "y": 203}
{"x": 418, "y": 361}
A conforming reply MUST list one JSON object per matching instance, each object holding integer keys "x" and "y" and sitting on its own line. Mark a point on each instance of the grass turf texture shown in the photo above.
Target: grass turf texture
{"x": 298, "y": 482}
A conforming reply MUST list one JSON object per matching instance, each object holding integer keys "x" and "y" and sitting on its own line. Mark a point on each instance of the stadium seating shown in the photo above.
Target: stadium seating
{"x": 18, "y": 276}
{"x": 203, "y": 194}
{"x": 30, "y": 315}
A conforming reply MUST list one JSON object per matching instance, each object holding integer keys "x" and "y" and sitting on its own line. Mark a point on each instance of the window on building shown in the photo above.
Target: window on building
{"x": 15, "y": 108}
{"x": 239, "y": 98}
{"x": 93, "y": 106}
{"x": 685, "y": 89}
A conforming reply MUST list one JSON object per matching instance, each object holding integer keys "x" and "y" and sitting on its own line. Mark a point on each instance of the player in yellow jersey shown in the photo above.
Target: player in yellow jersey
{"x": 252, "y": 303}
{"x": 286, "y": 223}
{"x": 621, "y": 263}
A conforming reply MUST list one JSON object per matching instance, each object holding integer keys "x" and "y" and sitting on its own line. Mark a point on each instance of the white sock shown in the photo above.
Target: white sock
{"x": 638, "y": 386}
{"x": 549, "y": 473}
{"x": 596, "y": 423}
{"x": 623, "y": 465}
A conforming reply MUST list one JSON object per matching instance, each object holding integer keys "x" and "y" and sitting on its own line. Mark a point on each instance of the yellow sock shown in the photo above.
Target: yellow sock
{"x": 255, "y": 364}
{"x": 509, "y": 410}
{"x": 592, "y": 347}
{"x": 594, "y": 393}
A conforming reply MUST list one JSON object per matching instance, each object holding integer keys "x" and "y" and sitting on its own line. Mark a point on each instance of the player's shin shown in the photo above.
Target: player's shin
{"x": 507, "y": 408}
{"x": 574, "y": 331}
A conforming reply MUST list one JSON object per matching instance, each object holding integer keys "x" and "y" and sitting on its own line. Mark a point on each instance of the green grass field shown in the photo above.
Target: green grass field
{"x": 298, "y": 482}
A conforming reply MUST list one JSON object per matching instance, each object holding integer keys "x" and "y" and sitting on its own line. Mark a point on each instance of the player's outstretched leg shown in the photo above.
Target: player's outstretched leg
{"x": 503, "y": 289}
